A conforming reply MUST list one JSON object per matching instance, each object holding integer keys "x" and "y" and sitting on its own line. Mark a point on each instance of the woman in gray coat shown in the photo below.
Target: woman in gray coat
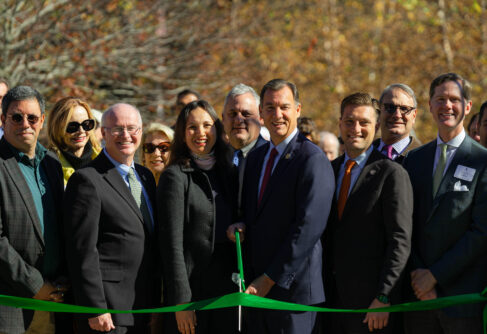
{"x": 195, "y": 202}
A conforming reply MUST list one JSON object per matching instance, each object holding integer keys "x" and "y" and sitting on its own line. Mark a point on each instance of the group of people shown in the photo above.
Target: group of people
{"x": 388, "y": 221}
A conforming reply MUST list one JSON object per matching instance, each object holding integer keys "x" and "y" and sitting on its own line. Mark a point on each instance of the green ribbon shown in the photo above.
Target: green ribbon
{"x": 243, "y": 299}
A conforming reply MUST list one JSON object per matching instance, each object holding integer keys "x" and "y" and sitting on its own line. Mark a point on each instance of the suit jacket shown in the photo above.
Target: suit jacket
{"x": 111, "y": 253}
{"x": 370, "y": 245}
{"x": 187, "y": 229}
{"x": 283, "y": 232}
{"x": 22, "y": 244}
{"x": 450, "y": 230}
{"x": 414, "y": 143}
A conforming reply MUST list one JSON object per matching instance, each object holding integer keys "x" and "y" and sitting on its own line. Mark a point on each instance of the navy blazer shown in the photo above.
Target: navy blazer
{"x": 283, "y": 233}
{"x": 450, "y": 230}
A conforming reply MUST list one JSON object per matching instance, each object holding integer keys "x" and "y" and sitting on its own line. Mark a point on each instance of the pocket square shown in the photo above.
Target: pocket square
{"x": 458, "y": 186}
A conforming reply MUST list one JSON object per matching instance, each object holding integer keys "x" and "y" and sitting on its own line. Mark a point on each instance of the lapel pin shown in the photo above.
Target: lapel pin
{"x": 287, "y": 156}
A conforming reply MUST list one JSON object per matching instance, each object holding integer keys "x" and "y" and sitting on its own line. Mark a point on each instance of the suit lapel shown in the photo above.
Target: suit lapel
{"x": 252, "y": 172}
{"x": 461, "y": 155}
{"x": 284, "y": 161}
{"x": 13, "y": 170}
{"x": 114, "y": 179}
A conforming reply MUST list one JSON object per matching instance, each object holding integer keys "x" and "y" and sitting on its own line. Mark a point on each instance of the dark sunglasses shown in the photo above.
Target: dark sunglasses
{"x": 87, "y": 125}
{"x": 391, "y": 108}
{"x": 19, "y": 118}
{"x": 150, "y": 148}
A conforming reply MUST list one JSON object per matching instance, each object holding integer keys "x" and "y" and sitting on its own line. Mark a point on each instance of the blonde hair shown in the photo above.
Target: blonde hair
{"x": 58, "y": 120}
{"x": 155, "y": 128}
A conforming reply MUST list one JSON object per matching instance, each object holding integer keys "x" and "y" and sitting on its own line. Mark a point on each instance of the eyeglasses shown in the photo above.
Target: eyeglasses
{"x": 391, "y": 108}
{"x": 87, "y": 125}
{"x": 150, "y": 148}
{"x": 19, "y": 118}
{"x": 119, "y": 130}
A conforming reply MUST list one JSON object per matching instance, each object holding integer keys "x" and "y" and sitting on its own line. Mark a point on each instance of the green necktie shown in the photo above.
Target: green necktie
{"x": 136, "y": 190}
{"x": 440, "y": 168}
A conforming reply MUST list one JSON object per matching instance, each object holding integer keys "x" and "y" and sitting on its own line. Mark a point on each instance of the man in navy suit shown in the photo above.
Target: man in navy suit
{"x": 287, "y": 194}
{"x": 449, "y": 244}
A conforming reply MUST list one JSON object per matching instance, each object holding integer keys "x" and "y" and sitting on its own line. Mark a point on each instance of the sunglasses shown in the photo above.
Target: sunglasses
{"x": 391, "y": 108}
{"x": 19, "y": 118}
{"x": 150, "y": 148}
{"x": 87, "y": 125}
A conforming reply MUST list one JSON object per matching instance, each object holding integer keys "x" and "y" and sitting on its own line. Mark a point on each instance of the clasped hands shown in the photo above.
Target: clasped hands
{"x": 52, "y": 291}
{"x": 423, "y": 283}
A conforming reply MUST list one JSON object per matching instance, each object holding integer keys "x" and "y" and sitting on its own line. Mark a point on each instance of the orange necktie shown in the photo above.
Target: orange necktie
{"x": 347, "y": 177}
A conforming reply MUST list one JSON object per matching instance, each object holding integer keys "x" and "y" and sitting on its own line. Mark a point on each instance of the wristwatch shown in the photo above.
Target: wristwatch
{"x": 383, "y": 298}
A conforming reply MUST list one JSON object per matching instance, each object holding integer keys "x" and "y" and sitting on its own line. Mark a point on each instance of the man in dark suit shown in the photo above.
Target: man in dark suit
{"x": 288, "y": 189}
{"x": 398, "y": 108}
{"x": 31, "y": 189}
{"x": 110, "y": 229}
{"x": 449, "y": 246}
{"x": 369, "y": 229}
{"x": 242, "y": 122}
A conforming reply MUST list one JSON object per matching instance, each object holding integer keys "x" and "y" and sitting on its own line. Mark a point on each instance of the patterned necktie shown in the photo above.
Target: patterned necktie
{"x": 388, "y": 149}
{"x": 347, "y": 178}
{"x": 136, "y": 190}
{"x": 440, "y": 168}
{"x": 267, "y": 173}
{"x": 237, "y": 157}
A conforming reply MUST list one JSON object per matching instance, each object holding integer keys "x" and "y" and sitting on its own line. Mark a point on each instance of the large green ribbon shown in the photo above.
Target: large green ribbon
{"x": 243, "y": 299}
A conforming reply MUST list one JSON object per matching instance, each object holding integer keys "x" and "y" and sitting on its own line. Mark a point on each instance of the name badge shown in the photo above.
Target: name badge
{"x": 464, "y": 173}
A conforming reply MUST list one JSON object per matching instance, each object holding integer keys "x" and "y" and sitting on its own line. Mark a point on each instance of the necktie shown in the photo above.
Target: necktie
{"x": 347, "y": 177}
{"x": 388, "y": 149}
{"x": 267, "y": 173}
{"x": 440, "y": 168}
{"x": 136, "y": 190}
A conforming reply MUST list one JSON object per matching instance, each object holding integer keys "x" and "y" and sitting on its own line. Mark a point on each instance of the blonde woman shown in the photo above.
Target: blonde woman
{"x": 71, "y": 135}
{"x": 156, "y": 146}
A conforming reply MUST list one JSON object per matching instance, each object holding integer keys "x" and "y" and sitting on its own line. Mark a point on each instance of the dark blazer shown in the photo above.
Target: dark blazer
{"x": 22, "y": 243}
{"x": 370, "y": 245}
{"x": 450, "y": 230}
{"x": 414, "y": 143}
{"x": 186, "y": 212}
{"x": 111, "y": 253}
{"x": 283, "y": 233}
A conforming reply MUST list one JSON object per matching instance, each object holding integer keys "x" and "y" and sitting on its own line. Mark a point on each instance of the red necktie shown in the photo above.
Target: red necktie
{"x": 347, "y": 177}
{"x": 267, "y": 173}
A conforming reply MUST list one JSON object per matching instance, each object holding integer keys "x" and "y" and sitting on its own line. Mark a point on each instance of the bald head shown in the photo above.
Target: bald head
{"x": 329, "y": 144}
{"x": 122, "y": 131}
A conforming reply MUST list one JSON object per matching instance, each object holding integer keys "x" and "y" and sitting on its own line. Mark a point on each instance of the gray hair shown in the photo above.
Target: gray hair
{"x": 21, "y": 93}
{"x": 241, "y": 89}
{"x": 405, "y": 88}
{"x": 112, "y": 108}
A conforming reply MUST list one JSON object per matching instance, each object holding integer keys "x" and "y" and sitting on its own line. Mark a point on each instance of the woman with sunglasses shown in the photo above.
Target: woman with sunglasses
{"x": 156, "y": 144}
{"x": 70, "y": 125}
{"x": 195, "y": 206}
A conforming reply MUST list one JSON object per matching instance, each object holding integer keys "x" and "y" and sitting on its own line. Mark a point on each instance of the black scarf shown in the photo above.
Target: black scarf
{"x": 82, "y": 161}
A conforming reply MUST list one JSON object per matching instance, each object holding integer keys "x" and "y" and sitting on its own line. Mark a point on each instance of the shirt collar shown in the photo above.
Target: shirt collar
{"x": 246, "y": 149}
{"x": 282, "y": 145}
{"x": 362, "y": 158}
{"x": 455, "y": 142}
{"x": 122, "y": 168}
{"x": 398, "y": 146}
{"x": 40, "y": 153}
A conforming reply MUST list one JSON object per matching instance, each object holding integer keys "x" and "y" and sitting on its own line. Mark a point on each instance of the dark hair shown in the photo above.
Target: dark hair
{"x": 277, "y": 84}
{"x": 466, "y": 88}
{"x": 360, "y": 99}
{"x": 472, "y": 119}
{"x": 4, "y": 81}
{"x": 481, "y": 113}
{"x": 180, "y": 153}
{"x": 307, "y": 126}
{"x": 21, "y": 93}
{"x": 185, "y": 92}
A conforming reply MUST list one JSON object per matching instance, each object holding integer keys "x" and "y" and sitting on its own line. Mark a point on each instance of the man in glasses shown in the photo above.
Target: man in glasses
{"x": 449, "y": 245}
{"x": 31, "y": 183}
{"x": 109, "y": 229}
{"x": 398, "y": 108}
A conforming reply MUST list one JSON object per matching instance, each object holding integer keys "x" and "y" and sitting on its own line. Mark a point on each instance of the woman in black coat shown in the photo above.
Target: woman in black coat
{"x": 195, "y": 203}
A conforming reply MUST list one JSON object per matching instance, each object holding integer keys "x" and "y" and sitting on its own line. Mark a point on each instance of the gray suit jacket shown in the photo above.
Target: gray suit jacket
{"x": 21, "y": 241}
{"x": 450, "y": 230}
